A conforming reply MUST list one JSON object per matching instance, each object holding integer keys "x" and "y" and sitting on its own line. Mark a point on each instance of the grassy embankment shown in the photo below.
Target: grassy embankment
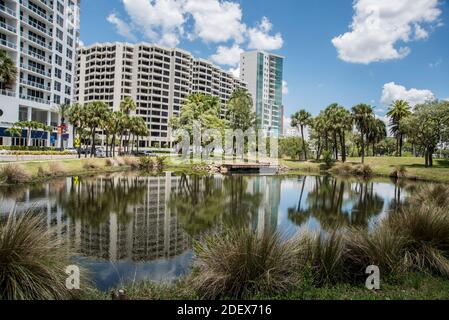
{"x": 384, "y": 166}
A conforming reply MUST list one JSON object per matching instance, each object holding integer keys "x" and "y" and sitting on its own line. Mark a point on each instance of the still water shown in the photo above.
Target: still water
{"x": 127, "y": 227}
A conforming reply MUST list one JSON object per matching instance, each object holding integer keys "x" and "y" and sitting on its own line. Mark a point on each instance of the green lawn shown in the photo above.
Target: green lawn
{"x": 411, "y": 287}
{"x": 383, "y": 166}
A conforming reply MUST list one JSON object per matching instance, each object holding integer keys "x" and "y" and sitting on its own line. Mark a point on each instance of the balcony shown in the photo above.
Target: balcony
{"x": 35, "y": 70}
{"x": 41, "y": 43}
{"x": 35, "y": 84}
{"x": 36, "y": 12}
{"x": 8, "y": 27}
{"x": 34, "y": 99}
{"x": 37, "y": 27}
{"x": 37, "y": 56}
{"x": 8, "y": 44}
{"x": 9, "y": 93}
{"x": 7, "y": 10}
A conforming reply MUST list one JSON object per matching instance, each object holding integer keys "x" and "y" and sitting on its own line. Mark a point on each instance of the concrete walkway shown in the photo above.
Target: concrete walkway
{"x": 24, "y": 158}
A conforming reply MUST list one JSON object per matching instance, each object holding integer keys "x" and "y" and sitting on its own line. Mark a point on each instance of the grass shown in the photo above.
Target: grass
{"x": 35, "y": 171}
{"x": 405, "y": 167}
{"x": 32, "y": 261}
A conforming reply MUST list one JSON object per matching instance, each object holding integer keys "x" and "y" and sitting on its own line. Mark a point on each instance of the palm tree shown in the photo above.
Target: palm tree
{"x": 300, "y": 120}
{"x": 14, "y": 131}
{"x": 363, "y": 117}
{"x": 128, "y": 105}
{"x": 344, "y": 123}
{"x": 8, "y": 70}
{"x": 399, "y": 110}
{"x": 29, "y": 126}
{"x": 96, "y": 112}
{"x": 77, "y": 118}
{"x": 63, "y": 111}
{"x": 378, "y": 132}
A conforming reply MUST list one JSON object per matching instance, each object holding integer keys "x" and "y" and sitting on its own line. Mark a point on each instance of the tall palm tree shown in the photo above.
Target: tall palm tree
{"x": 8, "y": 70}
{"x": 377, "y": 133}
{"x": 344, "y": 123}
{"x": 128, "y": 105}
{"x": 63, "y": 111}
{"x": 300, "y": 120}
{"x": 95, "y": 115}
{"x": 77, "y": 118}
{"x": 399, "y": 110}
{"x": 363, "y": 118}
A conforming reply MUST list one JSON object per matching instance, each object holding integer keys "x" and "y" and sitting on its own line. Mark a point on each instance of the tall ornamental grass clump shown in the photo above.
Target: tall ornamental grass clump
{"x": 241, "y": 264}
{"x": 13, "y": 173}
{"x": 32, "y": 261}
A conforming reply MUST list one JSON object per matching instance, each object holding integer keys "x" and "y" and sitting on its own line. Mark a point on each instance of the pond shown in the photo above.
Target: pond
{"x": 125, "y": 227}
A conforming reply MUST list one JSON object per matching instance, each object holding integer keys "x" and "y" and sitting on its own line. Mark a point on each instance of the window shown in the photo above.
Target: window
{"x": 57, "y": 86}
{"x": 68, "y": 78}
{"x": 58, "y": 73}
{"x": 69, "y": 42}
{"x": 60, "y": 7}
{"x": 68, "y": 65}
{"x": 57, "y": 99}
{"x": 59, "y": 47}
{"x": 68, "y": 90}
{"x": 59, "y": 34}
{"x": 69, "y": 54}
{"x": 58, "y": 60}
{"x": 60, "y": 21}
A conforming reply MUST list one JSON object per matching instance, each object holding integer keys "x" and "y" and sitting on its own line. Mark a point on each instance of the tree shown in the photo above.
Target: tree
{"x": 300, "y": 120}
{"x": 63, "y": 111}
{"x": 95, "y": 113}
{"x": 200, "y": 108}
{"x": 29, "y": 126}
{"x": 8, "y": 70}
{"x": 344, "y": 123}
{"x": 77, "y": 118}
{"x": 427, "y": 126}
{"x": 291, "y": 147}
{"x": 239, "y": 111}
{"x": 14, "y": 131}
{"x": 377, "y": 133}
{"x": 128, "y": 105}
{"x": 399, "y": 110}
{"x": 363, "y": 118}
{"x": 319, "y": 131}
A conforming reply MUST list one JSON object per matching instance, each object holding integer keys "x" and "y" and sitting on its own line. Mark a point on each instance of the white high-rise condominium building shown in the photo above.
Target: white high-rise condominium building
{"x": 263, "y": 73}
{"x": 41, "y": 36}
{"x": 158, "y": 79}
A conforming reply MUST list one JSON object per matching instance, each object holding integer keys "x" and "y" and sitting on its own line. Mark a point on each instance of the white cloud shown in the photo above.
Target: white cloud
{"x": 260, "y": 38}
{"x": 447, "y": 99}
{"x": 235, "y": 71}
{"x": 380, "y": 28}
{"x": 216, "y": 21}
{"x": 229, "y": 56}
{"x": 436, "y": 64}
{"x": 392, "y": 91}
{"x": 284, "y": 87}
{"x": 160, "y": 21}
{"x": 121, "y": 26}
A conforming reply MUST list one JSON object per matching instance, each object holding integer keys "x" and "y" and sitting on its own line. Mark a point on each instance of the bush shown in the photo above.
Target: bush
{"x": 240, "y": 264}
{"x": 42, "y": 172}
{"x": 131, "y": 162}
{"x": 56, "y": 169}
{"x": 120, "y": 162}
{"x": 146, "y": 163}
{"x": 328, "y": 159}
{"x": 399, "y": 172}
{"x": 160, "y": 162}
{"x": 343, "y": 169}
{"x": 90, "y": 165}
{"x": 363, "y": 170}
{"x": 109, "y": 162}
{"x": 32, "y": 261}
{"x": 12, "y": 173}
{"x": 426, "y": 230}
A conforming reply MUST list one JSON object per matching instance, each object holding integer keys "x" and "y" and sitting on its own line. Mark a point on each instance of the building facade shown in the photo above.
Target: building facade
{"x": 41, "y": 36}
{"x": 157, "y": 78}
{"x": 263, "y": 73}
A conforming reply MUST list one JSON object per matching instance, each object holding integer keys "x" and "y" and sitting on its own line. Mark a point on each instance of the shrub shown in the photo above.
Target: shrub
{"x": 343, "y": 169}
{"x": 90, "y": 165}
{"x": 131, "y": 162}
{"x": 32, "y": 261}
{"x": 328, "y": 159}
{"x": 56, "y": 169}
{"x": 381, "y": 247}
{"x": 326, "y": 257}
{"x": 42, "y": 172}
{"x": 120, "y": 162}
{"x": 426, "y": 231}
{"x": 110, "y": 162}
{"x": 12, "y": 173}
{"x": 363, "y": 170}
{"x": 160, "y": 162}
{"x": 399, "y": 172}
{"x": 146, "y": 163}
{"x": 239, "y": 264}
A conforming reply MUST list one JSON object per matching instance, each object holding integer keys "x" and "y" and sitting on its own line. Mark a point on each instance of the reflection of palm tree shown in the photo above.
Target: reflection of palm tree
{"x": 328, "y": 204}
{"x": 297, "y": 215}
{"x": 94, "y": 200}
{"x": 201, "y": 203}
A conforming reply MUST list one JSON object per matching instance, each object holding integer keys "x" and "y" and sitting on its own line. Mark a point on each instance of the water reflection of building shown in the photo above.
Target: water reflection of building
{"x": 142, "y": 229}
{"x": 268, "y": 210}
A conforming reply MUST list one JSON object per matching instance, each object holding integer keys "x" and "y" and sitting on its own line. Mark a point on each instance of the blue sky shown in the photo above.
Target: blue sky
{"x": 407, "y": 56}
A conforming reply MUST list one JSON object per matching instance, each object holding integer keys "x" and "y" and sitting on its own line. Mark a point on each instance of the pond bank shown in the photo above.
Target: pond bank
{"x": 414, "y": 168}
